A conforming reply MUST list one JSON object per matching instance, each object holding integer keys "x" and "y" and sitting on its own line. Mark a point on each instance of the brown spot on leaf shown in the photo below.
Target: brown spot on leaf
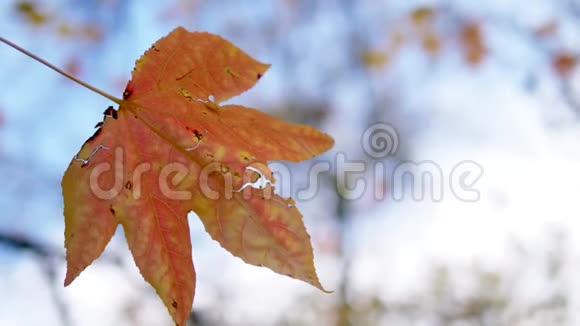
{"x": 112, "y": 210}
{"x": 228, "y": 70}
{"x": 174, "y": 304}
{"x": 198, "y": 134}
{"x": 128, "y": 91}
{"x": 110, "y": 112}
{"x": 129, "y": 185}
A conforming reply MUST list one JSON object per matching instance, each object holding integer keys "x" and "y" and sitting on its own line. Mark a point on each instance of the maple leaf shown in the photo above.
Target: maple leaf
{"x": 171, "y": 148}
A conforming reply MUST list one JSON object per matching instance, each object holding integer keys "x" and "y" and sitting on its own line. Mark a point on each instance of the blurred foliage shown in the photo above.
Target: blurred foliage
{"x": 492, "y": 298}
{"x": 37, "y": 15}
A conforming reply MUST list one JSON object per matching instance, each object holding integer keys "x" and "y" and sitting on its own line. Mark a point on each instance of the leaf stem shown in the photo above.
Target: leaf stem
{"x": 62, "y": 72}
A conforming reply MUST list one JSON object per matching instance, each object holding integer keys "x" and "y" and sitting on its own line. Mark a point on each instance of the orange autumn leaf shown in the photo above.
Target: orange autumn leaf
{"x": 374, "y": 58}
{"x": 472, "y": 43}
{"x": 563, "y": 63}
{"x": 171, "y": 148}
{"x": 422, "y": 17}
{"x": 431, "y": 43}
{"x": 31, "y": 13}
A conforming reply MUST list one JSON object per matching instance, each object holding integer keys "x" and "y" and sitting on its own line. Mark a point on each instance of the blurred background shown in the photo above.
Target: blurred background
{"x": 468, "y": 211}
